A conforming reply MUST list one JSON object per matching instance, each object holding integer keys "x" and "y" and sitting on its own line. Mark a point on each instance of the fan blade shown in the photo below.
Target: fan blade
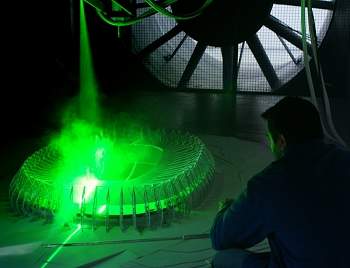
{"x": 160, "y": 41}
{"x": 315, "y": 3}
{"x": 288, "y": 34}
{"x": 125, "y": 5}
{"x": 230, "y": 67}
{"x": 263, "y": 61}
{"x": 192, "y": 64}
{"x": 296, "y": 61}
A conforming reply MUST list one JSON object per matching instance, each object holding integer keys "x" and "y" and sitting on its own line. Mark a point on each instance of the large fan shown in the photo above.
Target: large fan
{"x": 251, "y": 45}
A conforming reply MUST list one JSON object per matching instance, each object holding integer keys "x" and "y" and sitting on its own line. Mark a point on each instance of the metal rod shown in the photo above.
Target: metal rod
{"x": 94, "y": 208}
{"x": 134, "y": 204}
{"x": 229, "y": 65}
{"x": 240, "y": 58}
{"x": 291, "y": 35}
{"x": 169, "y": 57}
{"x": 159, "y": 205}
{"x": 144, "y": 240}
{"x": 296, "y": 62}
{"x": 108, "y": 201}
{"x": 192, "y": 64}
{"x": 160, "y": 41}
{"x": 82, "y": 208}
{"x": 121, "y": 212}
{"x": 147, "y": 211}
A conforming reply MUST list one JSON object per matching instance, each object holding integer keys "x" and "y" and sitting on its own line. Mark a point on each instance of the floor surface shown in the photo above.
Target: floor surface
{"x": 235, "y": 137}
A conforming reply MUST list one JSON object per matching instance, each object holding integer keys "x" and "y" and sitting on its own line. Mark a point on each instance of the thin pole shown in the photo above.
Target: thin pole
{"x": 114, "y": 242}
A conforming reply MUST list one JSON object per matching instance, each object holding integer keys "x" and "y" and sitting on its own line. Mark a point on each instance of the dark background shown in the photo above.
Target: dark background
{"x": 40, "y": 63}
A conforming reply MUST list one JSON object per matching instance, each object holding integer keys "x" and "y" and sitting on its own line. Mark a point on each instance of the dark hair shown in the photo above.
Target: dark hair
{"x": 297, "y": 119}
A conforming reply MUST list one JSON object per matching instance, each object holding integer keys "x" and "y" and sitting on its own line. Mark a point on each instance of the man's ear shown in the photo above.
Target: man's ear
{"x": 281, "y": 142}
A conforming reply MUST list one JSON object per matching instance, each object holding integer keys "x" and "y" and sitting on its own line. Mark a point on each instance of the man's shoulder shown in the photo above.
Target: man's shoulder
{"x": 340, "y": 159}
{"x": 273, "y": 170}
{"x": 342, "y": 151}
{"x": 270, "y": 175}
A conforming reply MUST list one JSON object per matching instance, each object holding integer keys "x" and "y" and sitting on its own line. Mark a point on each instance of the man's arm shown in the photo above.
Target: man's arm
{"x": 240, "y": 225}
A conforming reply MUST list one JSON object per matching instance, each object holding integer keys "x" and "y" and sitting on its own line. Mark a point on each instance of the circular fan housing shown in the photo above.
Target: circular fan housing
{"x": 167, "y": 179}
{"x": 252, "y": 46}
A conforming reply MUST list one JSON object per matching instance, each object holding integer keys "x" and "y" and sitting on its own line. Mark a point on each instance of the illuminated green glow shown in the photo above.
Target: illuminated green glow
{"x": 88, "y": 87}
{"x": 55, "y": 253}
{"x": 87, "y": 185}
{"x": 91, "y": 159}
{"x": 121, "y": 169}
{"x": 79, "y": 173}
{"x": 102, "y": 209}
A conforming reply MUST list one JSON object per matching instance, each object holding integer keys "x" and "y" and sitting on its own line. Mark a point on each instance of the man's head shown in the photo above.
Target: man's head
{"x": 292, "y": 120}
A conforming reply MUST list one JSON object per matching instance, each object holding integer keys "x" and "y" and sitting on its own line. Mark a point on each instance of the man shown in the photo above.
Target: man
{"x": 300, "y": 202}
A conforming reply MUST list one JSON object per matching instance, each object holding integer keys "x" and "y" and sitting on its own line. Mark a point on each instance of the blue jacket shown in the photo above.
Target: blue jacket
{"x": 301, "y": 203}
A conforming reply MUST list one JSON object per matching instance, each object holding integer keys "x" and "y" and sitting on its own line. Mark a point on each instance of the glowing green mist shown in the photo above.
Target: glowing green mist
{"x": 96, "y": 169}
{"x": 94, "y": 154}
{"x": 91, "y": 157}
{"x": 88, "y": 99}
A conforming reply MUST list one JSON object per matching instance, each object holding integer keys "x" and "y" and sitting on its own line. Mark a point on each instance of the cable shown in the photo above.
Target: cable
{"x": 122, "y": 21}
{"x": 125, "y": 9}
{"x": 313, "y": 34}
{"x": 307, "y": 67}
{"x": 306, "y": 57}
{"x": 155, "y": 8}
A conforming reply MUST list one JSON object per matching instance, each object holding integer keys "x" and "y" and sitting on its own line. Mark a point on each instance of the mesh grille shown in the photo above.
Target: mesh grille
{"x": 208, "y": 74}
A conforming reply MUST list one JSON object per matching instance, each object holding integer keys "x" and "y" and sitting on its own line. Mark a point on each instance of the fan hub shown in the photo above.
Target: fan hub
{"x": 223, "y": 22}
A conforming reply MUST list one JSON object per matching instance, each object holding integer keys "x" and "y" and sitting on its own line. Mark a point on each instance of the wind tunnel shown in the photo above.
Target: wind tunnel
{"x": 101, "y": 185}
